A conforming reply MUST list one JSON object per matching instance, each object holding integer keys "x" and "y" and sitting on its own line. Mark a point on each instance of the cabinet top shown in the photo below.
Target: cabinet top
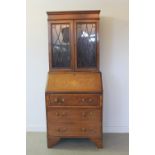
{"x": 73, "y": 12}
{"x": 69, "y": 15}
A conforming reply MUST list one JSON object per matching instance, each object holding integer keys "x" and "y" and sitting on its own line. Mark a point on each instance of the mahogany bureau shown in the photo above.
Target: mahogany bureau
{"x": 74, "y": 93}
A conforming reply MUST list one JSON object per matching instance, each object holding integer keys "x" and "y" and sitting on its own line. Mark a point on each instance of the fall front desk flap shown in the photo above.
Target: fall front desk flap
{"x": 74, "y": 82}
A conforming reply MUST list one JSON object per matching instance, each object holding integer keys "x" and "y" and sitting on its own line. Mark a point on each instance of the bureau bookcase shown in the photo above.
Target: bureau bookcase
{"x": 74, "y": 92}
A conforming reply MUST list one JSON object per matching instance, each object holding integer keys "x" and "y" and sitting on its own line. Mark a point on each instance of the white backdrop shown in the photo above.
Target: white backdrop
{"x": 113, "y": 59}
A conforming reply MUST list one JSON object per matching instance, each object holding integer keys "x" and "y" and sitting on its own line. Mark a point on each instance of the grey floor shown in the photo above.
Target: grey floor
{"x": 114, "y": 144}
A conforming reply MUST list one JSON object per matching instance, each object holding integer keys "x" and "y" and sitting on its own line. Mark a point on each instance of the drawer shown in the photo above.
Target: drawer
{"x": 73, "y": 99}
{"x": 75, "y": 129}
{"x": 72, "y": 115}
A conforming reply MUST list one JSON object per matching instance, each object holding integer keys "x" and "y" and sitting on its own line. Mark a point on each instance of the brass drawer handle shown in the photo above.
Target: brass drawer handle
{"x": 59, "y": 101}
{"x": 62, "y": 114}
{"x": 56, "y": 100}
{"x": 89, "y": 100}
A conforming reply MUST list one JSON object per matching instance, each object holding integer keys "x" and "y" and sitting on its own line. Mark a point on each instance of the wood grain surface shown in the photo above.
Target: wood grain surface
{"x": 74, "y": 82}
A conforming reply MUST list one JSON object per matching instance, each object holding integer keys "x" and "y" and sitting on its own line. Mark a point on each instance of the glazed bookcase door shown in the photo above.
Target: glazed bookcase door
{"x": 60, "y": 45}
{"x": 86, "y": 45}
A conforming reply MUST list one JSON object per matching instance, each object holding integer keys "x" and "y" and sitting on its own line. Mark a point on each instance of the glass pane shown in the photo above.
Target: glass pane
{"x": 61, "y": 46}
{"x": 86, "y": 45}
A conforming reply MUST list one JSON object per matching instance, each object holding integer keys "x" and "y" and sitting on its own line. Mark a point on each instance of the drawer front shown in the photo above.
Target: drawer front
{"x": 72, "y": 115}
{"x": 73, "y": 100}
{"x": 75, "y": 129}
